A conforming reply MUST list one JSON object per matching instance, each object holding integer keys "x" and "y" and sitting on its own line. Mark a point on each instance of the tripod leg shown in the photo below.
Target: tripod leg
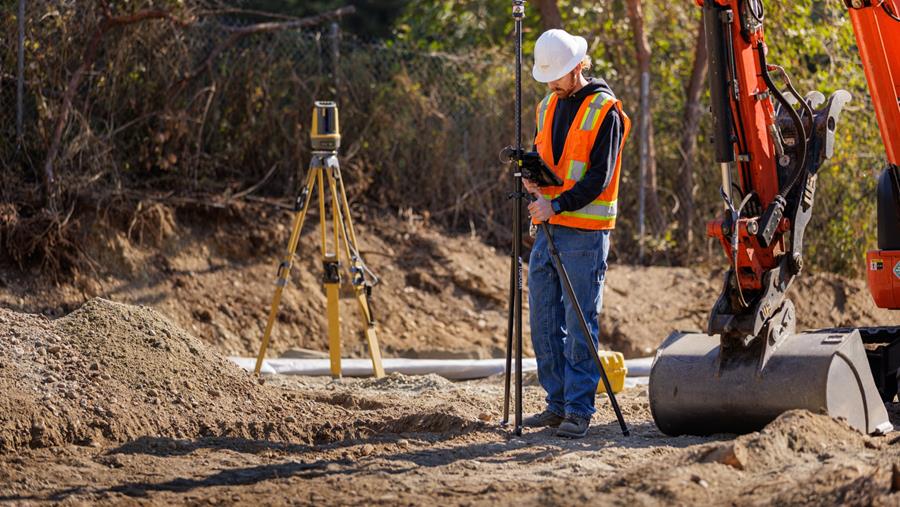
{"x": 517, "y": 321}
{"x": 570, "y": 292}
{"x": 284, "y": 268}
{"x": 332, "y": 292}
{"x": 507, "y": 373}
{"x": 333, "y": 276}
{"x": 518, "y": 329}
{"x": 347, "y": 237}
{"x": 346, "y": 205}
{"x": 320, "y": 177}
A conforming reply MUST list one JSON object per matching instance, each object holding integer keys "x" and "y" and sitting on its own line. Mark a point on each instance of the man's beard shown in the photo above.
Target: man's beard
{"x": 564, "y": 92}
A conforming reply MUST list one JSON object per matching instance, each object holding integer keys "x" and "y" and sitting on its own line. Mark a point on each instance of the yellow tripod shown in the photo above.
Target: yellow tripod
{"x": 324, "y": 167}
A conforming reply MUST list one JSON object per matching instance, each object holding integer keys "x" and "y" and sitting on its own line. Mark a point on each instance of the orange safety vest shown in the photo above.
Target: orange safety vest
{"x": 575, "y": 161}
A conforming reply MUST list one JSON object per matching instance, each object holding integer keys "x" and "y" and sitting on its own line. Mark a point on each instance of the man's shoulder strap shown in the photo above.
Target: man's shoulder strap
{"x": 542, "y": 108}
{"x": 545, "y": 102}
{"x": 598, "y": 106}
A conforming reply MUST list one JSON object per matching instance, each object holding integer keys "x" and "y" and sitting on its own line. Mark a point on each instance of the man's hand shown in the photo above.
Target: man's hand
{"x": 531, "y": 187}
{"x": 541, "y": 210}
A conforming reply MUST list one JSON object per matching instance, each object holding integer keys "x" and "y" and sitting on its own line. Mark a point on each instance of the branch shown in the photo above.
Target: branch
{"x": 246, "y": 12}
{"x": 255, "y": 187}
{"x": 238, "y": 33}
{"x": 107, "y": 24}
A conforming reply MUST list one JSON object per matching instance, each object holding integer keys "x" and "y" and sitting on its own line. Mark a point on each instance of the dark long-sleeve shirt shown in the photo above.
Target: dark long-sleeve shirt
{"x": 603, "y": 154}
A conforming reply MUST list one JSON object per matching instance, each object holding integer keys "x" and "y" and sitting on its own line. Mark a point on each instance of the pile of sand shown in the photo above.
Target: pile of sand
{"x": 110, "y": 371}
{"x": 788, "y": 440}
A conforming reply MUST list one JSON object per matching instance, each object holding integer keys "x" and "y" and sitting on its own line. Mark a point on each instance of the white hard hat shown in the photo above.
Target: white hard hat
{"x": 556, "y": 53}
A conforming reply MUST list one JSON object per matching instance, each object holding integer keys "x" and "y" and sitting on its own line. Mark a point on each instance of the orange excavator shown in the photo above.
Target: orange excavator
{"x": 751, "y": 365}
{"x": 877, "y": 28}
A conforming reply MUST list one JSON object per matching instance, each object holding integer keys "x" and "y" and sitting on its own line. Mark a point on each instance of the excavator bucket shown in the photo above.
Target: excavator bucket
{"x": 699, "y": 388}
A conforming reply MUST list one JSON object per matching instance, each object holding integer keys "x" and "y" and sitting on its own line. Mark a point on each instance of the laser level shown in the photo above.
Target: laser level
{"x": 325, "y": 132}
{"x": 325, "y": 173}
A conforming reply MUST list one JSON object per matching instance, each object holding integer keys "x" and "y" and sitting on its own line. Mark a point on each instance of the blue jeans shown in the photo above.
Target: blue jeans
{"x": 566, "y": 369}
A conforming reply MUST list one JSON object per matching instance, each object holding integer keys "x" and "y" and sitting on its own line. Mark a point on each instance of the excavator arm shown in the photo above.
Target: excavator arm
{"x": 750, "y": 365}
{"x": 770, "y": 142}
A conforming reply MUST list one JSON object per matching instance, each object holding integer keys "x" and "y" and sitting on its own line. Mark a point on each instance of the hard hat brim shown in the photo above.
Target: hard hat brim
{"x": 547, "y": 76}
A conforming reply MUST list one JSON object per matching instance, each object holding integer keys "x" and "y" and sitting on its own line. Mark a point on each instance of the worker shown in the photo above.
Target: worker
{"x": 580, "y": 133}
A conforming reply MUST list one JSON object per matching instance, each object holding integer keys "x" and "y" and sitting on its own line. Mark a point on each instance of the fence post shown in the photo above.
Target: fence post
{"x": 335, "y": 57}
{"x": 20, "y": 77}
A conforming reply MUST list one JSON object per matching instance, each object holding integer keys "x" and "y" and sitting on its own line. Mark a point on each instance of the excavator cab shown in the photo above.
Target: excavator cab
{"x": 751, "y": 365}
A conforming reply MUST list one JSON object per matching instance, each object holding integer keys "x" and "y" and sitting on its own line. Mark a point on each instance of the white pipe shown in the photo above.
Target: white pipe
{"x": 453, "y": 369}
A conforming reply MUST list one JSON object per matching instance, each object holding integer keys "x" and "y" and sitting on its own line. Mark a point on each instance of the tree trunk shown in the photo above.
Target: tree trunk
{"x": 550, "y": 17}
{"x": 648, "y": 189}
{"x": 691, "y": 124}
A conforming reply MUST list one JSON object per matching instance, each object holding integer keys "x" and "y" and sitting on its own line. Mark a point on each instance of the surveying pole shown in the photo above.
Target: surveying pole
{"x": 324, "y": 169}
{"x": 514, "y": 330}
{"x": 514, "y": 323}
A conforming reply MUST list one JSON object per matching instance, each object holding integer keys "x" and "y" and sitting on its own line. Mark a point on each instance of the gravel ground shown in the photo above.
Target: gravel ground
{"x": 114, "y": 404}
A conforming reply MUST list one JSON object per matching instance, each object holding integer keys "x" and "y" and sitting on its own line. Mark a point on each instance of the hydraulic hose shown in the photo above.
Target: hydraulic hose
{"x": 795, "y": 117}
{"x": 891, "y": 14}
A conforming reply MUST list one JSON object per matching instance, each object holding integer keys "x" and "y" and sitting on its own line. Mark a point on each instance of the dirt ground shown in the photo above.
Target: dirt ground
{"x": 127, "y": 398}
{"x": 115, "y": 404}
{"x": 440, "y": 296}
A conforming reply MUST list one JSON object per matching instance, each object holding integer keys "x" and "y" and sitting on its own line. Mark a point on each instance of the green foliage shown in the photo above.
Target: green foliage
{"x": 814, "y": 41}
{"x": 424, "y": 111}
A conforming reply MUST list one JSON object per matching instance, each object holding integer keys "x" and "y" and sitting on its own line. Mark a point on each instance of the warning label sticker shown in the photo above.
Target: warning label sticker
{"x": 876, "y": 265}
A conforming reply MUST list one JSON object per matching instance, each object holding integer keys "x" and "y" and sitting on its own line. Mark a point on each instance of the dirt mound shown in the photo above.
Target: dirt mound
{"x": 110, "y": 371}
{"x": 800, "y": 458}
{"x": 643, "y": 305}
{"x": 448, "y": 424}
{"x": 786, "y": 440}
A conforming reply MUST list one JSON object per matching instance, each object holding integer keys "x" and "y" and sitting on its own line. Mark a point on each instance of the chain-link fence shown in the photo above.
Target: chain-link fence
{"x": 12, "y": 81}
{"x": 215, "y": 106}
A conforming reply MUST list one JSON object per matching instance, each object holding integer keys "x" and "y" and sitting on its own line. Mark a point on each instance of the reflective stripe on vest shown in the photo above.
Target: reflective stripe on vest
{"x": 542, "y": 111}
{"x": 576, "y": 170}
{"x": 592, "y": 115}
{"x": 597, "y": 210}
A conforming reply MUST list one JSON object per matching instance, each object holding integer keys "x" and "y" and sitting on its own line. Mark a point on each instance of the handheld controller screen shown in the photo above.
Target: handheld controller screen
{"x": 533, "y": 168}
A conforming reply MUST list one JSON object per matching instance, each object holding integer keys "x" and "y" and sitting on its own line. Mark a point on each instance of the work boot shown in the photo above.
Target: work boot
{"x": 543, "y": 419}
{"x": 573, "y": 427}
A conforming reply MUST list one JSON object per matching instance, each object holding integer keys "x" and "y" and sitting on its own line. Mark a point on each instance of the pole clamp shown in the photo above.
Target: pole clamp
{"x": 332, "y": 271}
{"x": 301, "y": 199}
{"x": 281, "y": 275}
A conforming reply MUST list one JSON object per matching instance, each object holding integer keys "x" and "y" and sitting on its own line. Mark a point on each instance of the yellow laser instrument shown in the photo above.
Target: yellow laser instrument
{"x": 324, "y": 175}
